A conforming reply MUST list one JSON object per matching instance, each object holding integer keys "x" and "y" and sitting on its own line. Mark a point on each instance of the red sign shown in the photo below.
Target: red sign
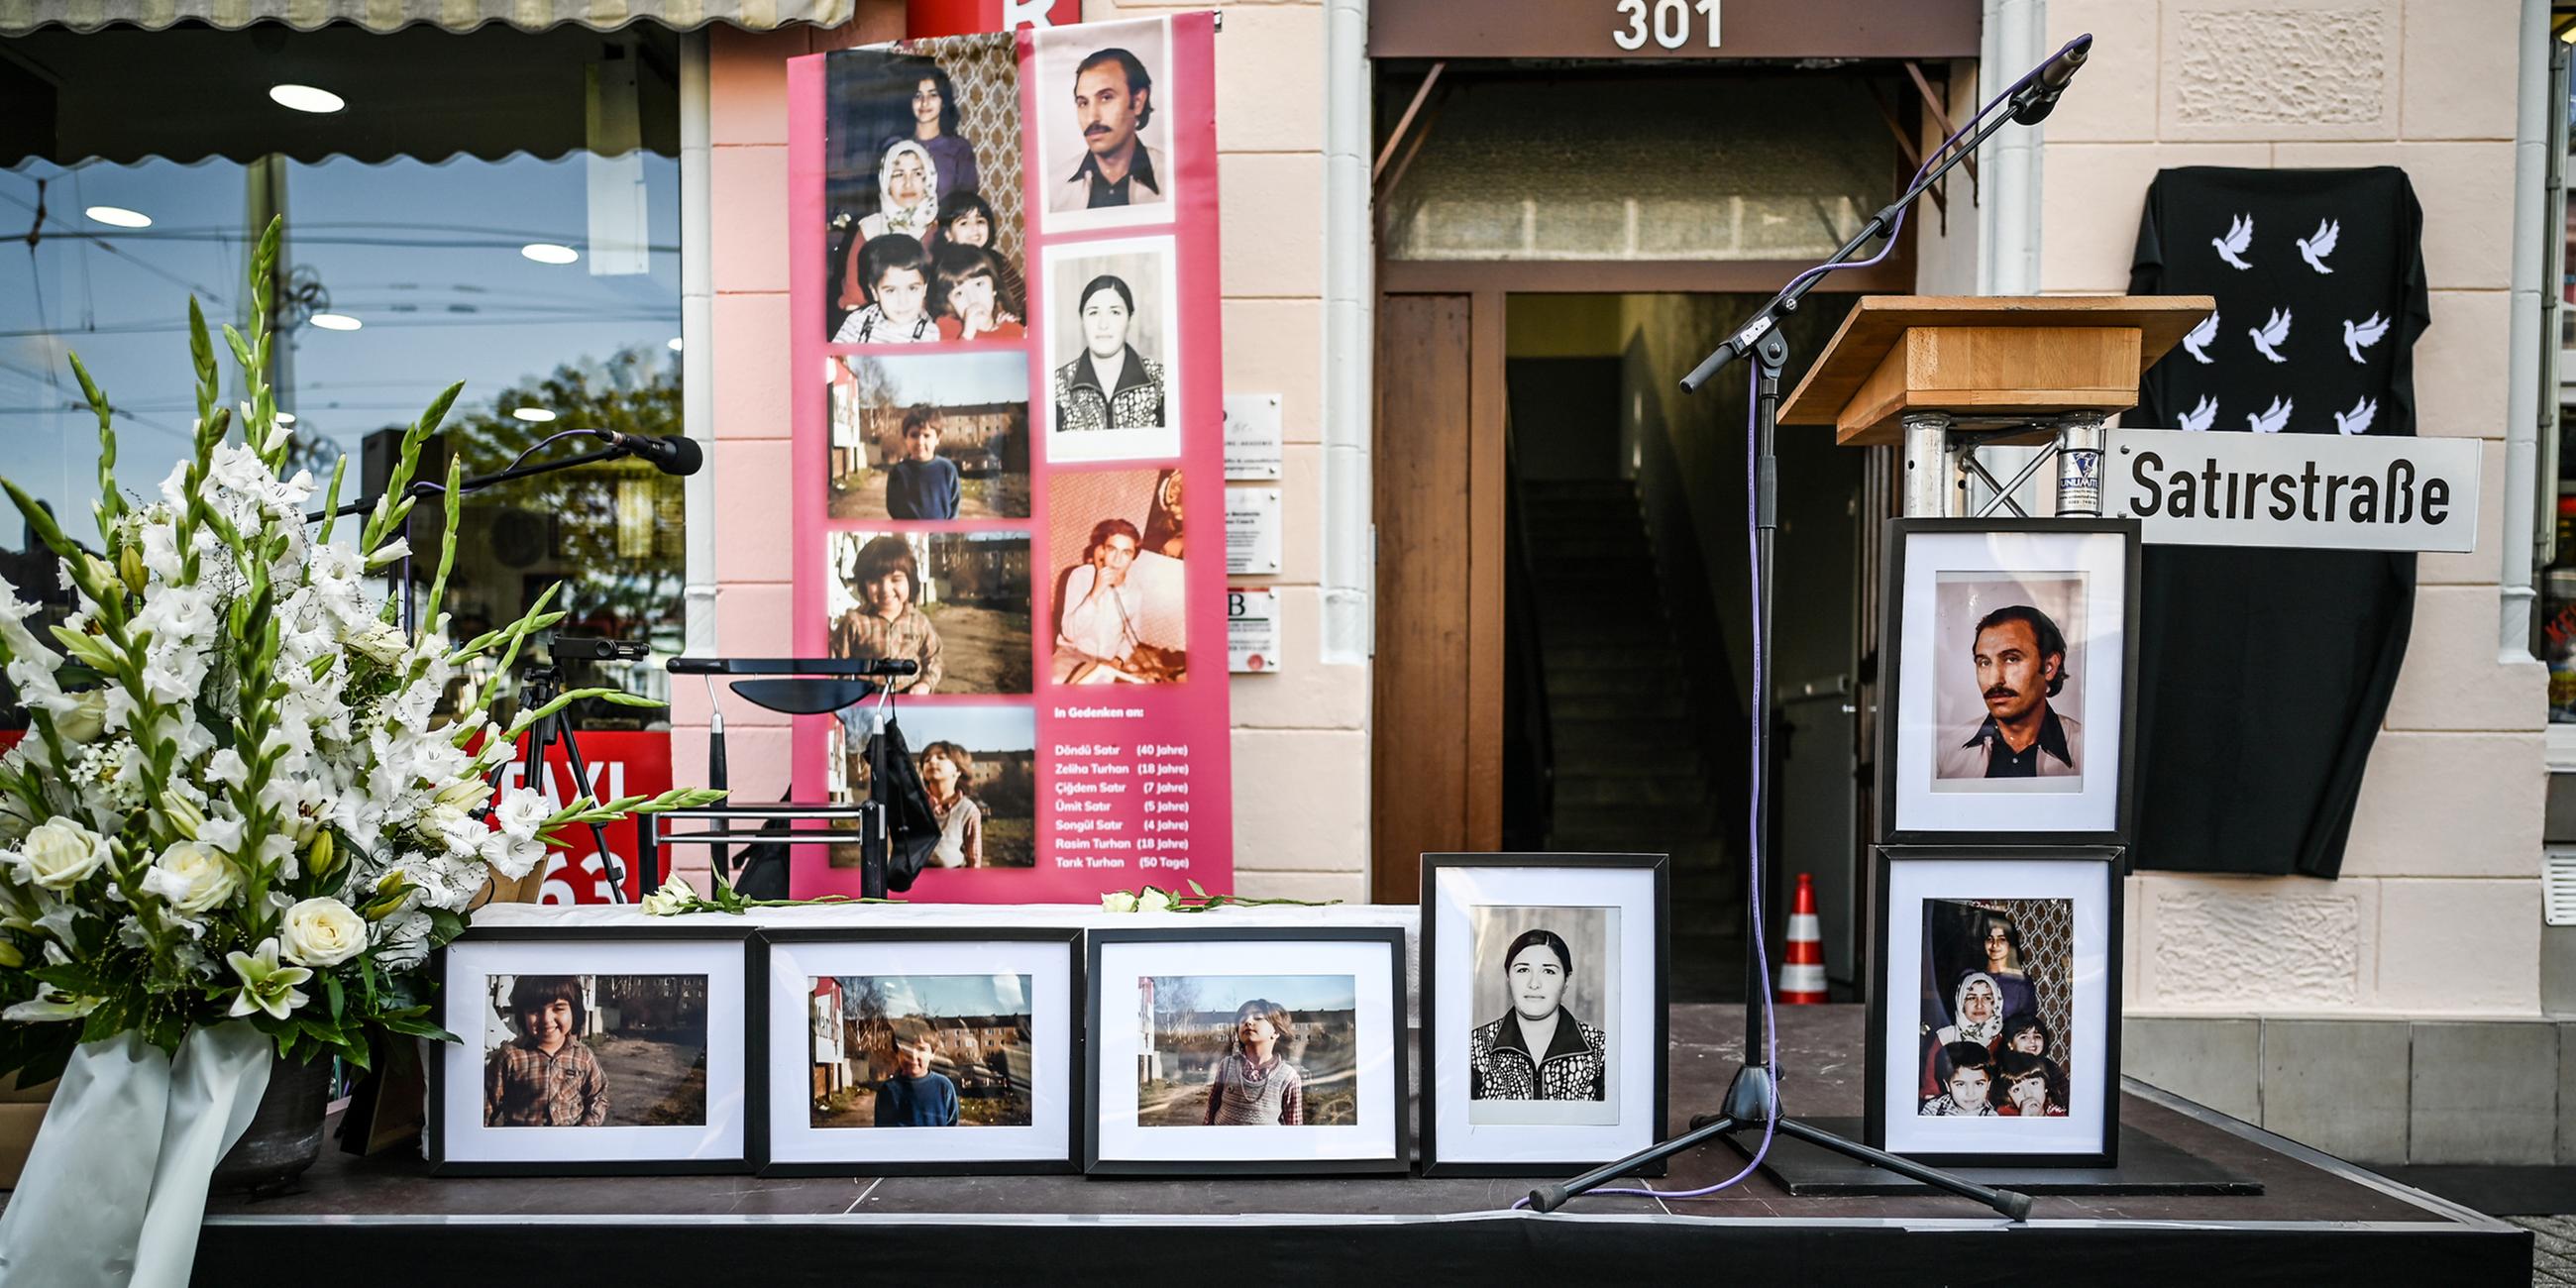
{"x": 621, "y": 763}
{"x": 923, "y": 19}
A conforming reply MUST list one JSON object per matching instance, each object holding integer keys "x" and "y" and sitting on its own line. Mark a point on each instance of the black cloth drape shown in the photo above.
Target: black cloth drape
{"x": 2264, "y": 673}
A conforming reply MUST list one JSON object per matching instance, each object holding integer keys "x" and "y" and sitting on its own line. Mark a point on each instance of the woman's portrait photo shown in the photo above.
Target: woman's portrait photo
{"x": 595, "y": 1051}
{"x": 955, "y": 604}
{"x": 978, "y": 764}
{"x": 920, "y": 1051}
{"x": 2009, "y": 692}
{"x": 921, "y": 145}
{"x": 1120, "y": 606}
{"x": 1105, "y": 103}
{"x": 1111, "y": 335}
{"x": 1544, "y": 996}
{"x": 926, "y": 437}
{"x": 1996, "y": 1007}
{"x": 1247, "y": 1051}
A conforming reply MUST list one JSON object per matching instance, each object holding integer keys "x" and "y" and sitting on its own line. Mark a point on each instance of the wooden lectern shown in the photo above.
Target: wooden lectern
{"x": 1944, "y": 375}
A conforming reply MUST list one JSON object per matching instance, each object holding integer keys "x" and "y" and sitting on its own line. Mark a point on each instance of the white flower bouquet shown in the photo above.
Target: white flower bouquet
{"x": 236, "y": 798}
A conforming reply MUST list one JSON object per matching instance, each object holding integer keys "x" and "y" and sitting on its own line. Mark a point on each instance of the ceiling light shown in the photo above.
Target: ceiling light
{"x": 305, "y": 98}
{"x": 532, "y": 415}
{"x": 336, "y": 322}
{"x": 119, "y": 216}
{"x": 675, "y": 344}
{"x": 549, "y": 253}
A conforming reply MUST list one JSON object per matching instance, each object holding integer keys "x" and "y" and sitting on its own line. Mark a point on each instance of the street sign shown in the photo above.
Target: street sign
{"x": 2321, "y": 491}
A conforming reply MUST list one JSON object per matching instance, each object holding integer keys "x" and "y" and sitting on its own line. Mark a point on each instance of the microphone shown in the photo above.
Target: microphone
{"x": 670, "y": 453}
{"x": 891, "y": 666}
{"x": 2037, "y": 99}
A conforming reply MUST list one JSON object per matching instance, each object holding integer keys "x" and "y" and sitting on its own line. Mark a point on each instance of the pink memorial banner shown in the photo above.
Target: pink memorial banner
{"x": 1007, "y": 370}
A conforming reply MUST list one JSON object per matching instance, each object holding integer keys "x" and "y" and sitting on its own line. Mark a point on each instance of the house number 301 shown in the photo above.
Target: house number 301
{"x": 1666, "y": 22}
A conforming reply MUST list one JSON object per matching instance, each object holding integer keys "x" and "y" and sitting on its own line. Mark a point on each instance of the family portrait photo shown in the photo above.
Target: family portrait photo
{"x": 1247, "y": 1051}
{"x": 2009, "y": 668}
{"x": 1114, "y": 552}
{"x": 1996, "y": 1007}
{"x": 1544, "y": 994}
{"x": 2010, "y": 697}
{"x": 1104, "y": 102}
{"x": 595, "y": 1051}
{"x": 978, "y": 765}
{"x": 954, "y": 603}
{"x": 1112, "y": 353}
{"x": 922, "y": 194}
{"x": 920, "y": 1051}
{"x": 929, "y": 437}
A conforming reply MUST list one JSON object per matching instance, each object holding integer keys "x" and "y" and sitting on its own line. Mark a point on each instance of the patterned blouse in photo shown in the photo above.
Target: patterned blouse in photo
{"x": 1500, "y": 1067}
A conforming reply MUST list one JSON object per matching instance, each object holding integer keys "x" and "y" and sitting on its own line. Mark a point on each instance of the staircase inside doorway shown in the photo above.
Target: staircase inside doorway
{"x": 1632, "y": 765}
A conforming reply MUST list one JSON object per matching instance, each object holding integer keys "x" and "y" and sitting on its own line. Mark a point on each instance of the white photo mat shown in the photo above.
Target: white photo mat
{"x": 794, "y": 965}
{"x": 1629, "y": 1082}
{"x": 1376, "y": 976}
{"x": 2101, "y": 559}
{"x": 1055, "y": 53}
{"x": 1063, "y": 341}
{"x": 465, "y": 1004}
{"x": 2086, "y": 882}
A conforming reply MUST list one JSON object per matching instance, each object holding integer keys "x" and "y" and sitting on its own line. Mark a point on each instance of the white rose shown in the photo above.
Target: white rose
{"x": 193, "y": 878}
{"x": 1153, "y": 900}
{"x": 671, "y": 900}
{"x": 86, "y": 720}
{"x": 1118, "y": 901}
{"x": 322, "y": 932}
{"x": 59, "y": 853}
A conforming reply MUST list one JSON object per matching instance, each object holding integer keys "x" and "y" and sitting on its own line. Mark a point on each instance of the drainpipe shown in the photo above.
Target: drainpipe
{"x": 697, "y": 346}
{"x": 2525, "y": 409}
{"x": 1350, "y": 366}
{"x": 2016, "y": 36}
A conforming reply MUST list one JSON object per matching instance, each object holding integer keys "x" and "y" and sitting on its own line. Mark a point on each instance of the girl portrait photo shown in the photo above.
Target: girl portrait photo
{"x": 1247, "y": 1051}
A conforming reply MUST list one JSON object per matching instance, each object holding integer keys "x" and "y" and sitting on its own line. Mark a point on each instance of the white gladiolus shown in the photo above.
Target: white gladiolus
{"x": 322, "y": 932}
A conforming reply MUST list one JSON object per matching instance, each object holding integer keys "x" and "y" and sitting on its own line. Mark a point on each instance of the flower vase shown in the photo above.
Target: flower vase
{"x": 285, "y": 1132}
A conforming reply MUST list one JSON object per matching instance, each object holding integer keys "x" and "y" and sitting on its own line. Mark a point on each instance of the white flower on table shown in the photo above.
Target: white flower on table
{"x": 671, "y": 900}
{"x": 59, "y": 853}
{"x": 266, "y": 986}
{"x": 323, "y": 932}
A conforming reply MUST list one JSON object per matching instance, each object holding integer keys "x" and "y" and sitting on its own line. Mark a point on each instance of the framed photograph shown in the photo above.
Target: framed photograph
{"x": 1119, "y": 603}
{"x": 594, "y": 1051}
{"x": 871, "y": 1031}
{"x": 1113, "y": 357}
{"x": 1994, "y": 1021}
{"x": 1543, "y": 1005}
{"x": 929, "y": 437}
{"x": 1104, "y": 103}
{"x": 1246, "y": 1049}
{"x": 955, "y": 604}
{"x": 2010, "y": 672}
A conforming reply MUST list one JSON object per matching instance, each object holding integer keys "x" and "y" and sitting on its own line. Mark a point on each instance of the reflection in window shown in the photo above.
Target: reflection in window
{"x": 499, "y": 208}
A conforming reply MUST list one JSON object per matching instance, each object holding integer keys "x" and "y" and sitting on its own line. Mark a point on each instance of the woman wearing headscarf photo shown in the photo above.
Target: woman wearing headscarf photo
{"x": 1537, "y": 1051}
{"x": 1108, "y": 385}
{"x": 907, "y": 193}
{"x": 934, "y": 127}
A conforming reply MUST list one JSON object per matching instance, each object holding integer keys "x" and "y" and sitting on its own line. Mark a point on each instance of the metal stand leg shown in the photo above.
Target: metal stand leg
{"x": 1931, "y": 469}
{"x": 2079, "y": 464}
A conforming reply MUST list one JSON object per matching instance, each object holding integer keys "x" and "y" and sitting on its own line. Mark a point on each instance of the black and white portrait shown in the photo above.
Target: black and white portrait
{"x": 1545, "y": 992}
{"x": 2010, "y": 694}
{"x": 1111, "y": 333}
{"x": 1105, "y": 94}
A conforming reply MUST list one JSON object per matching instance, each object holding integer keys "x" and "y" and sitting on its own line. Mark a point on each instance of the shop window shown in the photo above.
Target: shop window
{"x": 1624, "y": 165}
{"x": 500, "y": 207}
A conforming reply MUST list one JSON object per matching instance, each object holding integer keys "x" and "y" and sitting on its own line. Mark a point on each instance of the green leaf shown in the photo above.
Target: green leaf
{"x": 1197, "y": 889}
{"x": 332, "y": 994}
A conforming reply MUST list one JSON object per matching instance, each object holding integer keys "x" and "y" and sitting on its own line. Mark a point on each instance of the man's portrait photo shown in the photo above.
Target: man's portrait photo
{"x": 2008, "y": 701}
{"x": 1103, "y": 98}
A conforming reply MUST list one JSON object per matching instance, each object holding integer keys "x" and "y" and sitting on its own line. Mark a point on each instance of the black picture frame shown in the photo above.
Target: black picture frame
{"x": 1891, "y": 980}
{"x": 1427, "y": 972}
{"x": 755, "y": 1001}
{"x": 1892, "y": 829}
{"x": 1398, "y": 1162}
{"x": 1077, "y": 1050}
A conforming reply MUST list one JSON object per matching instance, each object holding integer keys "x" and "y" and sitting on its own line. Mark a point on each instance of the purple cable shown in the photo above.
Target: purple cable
{"x": 1761, "y": 677}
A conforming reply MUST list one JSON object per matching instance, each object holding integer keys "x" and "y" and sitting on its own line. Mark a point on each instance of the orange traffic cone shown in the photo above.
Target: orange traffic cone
{"x": 1802, "y": 963}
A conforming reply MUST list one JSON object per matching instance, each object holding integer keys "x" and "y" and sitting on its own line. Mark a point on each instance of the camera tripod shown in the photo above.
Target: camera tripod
{"x": 539, "y": 685}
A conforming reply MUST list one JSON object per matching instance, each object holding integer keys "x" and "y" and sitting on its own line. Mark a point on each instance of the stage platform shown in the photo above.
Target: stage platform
{"x": 2314, "y": 1220}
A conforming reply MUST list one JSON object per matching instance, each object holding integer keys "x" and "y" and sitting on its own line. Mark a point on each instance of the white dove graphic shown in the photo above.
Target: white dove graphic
{"x": 2317, "y": 245}
{"x": 2272, "y": 332}
{"x": 2362, "y": 335}
{"x": 2240, "y": 235}
{"x": 2358, "y": 419}
{"x": 2272, "y": 418}
{"x": 2197, "y": 419}
{"x": 2200, "y": 337}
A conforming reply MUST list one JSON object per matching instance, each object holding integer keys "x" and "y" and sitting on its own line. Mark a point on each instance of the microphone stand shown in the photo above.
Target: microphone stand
{"x": 1752, "y": 1099}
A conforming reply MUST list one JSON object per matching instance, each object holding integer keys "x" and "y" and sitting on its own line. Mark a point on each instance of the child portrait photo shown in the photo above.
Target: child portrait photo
{"x": 956, "y": 604}
{"x": 978, "y": 763}
{"x": 1997, "y": 1015}
{"x": 921, "y": 1051}
{"x": 595, "y": 1051}
{"x": 1247, "y": 1051}
{"x": 929, "y": 437}
{"x": 922, "y": 193}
